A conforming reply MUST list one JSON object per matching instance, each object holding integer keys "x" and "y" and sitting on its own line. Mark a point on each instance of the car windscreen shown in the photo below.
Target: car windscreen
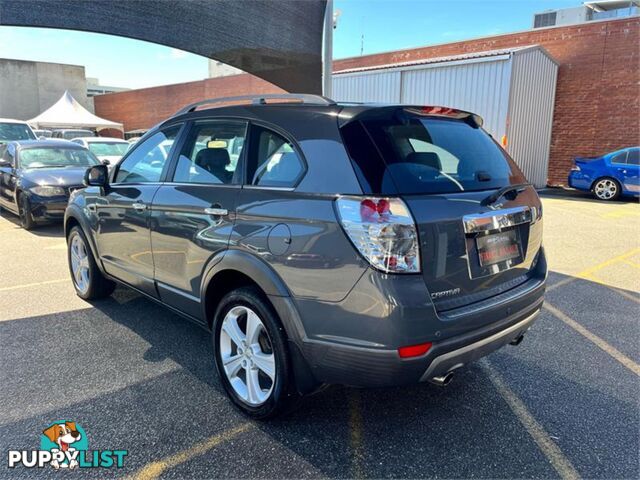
{"x": 47, "y": 157}
{"x": 108, "y": 149}
{"x": 413, "y": 154}
{"x": 70, "y": 134}
{"x": 15, "y": 131}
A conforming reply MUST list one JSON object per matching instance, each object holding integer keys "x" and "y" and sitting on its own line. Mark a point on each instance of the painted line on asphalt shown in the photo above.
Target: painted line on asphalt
{"x": 561, "y": 283}
{"x": 620, "y": 213}
{"x": 545, "y": 443}
{"x": 35, "y": 284}
{"x": 591, "y": 270}
{"x": 612, "y": 351}
{"x": 155, "y": 469}
{"x": 588, "y": 273}
{"x": 355, "y": 433}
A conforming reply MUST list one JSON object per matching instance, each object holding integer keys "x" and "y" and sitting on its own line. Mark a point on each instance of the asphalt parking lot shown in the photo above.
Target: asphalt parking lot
{"x": 563, "y": 404}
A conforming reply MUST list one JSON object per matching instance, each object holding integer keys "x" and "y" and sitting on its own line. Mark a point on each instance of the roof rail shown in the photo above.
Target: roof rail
{"x": 260, "y": 100}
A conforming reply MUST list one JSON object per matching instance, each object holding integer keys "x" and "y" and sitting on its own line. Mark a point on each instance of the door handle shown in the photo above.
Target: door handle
{"x": 216, "y": 211}
{"x": 139, "y": 207}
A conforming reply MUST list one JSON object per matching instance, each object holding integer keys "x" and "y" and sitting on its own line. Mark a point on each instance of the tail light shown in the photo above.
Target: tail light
{"x": 383, "y": 231}
{"x": 575, "y": 168}
{"x": 414, "y": 350}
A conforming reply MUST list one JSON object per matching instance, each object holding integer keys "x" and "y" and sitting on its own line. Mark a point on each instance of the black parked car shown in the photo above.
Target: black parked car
{"x": 36, "y": 177}
{"x": 364, "y": 245}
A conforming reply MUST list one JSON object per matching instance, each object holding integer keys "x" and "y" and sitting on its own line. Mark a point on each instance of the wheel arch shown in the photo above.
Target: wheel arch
{"x": 232, "y": 269}
{"x": 72, "y": 218}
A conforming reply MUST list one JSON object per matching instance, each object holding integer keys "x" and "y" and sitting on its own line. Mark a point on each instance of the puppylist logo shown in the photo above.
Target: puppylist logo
{"x": 64, "y": 444}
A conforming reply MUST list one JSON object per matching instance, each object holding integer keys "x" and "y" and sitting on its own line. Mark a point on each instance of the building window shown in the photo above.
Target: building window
{"x": 544, "y": 20}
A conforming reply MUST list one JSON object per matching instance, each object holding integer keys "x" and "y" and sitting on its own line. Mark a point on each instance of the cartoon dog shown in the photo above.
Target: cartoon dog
{"x": 63, "y": 434}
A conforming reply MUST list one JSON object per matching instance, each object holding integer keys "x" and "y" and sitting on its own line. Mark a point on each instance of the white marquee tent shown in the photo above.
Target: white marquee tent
{"x": 68, "y": 113}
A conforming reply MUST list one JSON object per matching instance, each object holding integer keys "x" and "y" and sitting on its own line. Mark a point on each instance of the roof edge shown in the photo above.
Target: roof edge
{"x": 592, "y": 22}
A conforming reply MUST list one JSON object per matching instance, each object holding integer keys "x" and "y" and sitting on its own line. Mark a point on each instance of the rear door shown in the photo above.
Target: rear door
{"x": 630, "y": 172}
{"x": 444, "y": 167}
{"x": 193, "y": 214}
{"x": 123, "y": 235}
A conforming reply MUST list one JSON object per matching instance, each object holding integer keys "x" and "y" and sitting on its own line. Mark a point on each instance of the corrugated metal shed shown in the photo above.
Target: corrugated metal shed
{"x": 512, "y": 89}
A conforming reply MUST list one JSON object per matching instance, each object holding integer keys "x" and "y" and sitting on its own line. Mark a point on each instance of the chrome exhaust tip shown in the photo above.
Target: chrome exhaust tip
{"x": 517, "y": 341}
{"x": 443, "y": 380}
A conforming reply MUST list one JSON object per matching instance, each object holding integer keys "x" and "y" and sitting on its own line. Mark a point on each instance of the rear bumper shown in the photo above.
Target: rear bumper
{"x": 453, "y": 357}
{"x": 579, "y": 180}
{"x": 369, "y": 367}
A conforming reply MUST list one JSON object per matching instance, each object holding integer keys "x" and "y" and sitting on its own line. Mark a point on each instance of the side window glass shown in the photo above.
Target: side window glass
{"x": 211, "y": 153}
{"x": 274, "y": 162}
{"x": 620, "y": 158}
{"x": 449, "y": 162}
{"x": 633, "y": 157}
{"x": 146, "y": 161}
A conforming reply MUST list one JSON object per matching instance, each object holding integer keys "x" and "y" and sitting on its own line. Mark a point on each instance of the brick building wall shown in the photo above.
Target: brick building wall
{"x": 597, "y": 107}
{"x": 597, "y": 103}
{"x": 143, "y": 108}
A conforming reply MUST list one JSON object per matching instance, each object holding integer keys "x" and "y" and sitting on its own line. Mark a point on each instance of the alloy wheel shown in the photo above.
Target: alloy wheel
{"x": 606, "y": 189}
{"x": 247, "y": 355}
{"x": 80, "y": 264}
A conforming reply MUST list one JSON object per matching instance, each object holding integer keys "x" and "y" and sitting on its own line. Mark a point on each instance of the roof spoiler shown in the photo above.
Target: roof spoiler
{"x": 471, "y": 118}
{"x": 260, "y": 100}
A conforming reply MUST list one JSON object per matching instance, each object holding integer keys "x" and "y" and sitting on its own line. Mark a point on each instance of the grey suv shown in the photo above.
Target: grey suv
{"x": 319, "y": 242}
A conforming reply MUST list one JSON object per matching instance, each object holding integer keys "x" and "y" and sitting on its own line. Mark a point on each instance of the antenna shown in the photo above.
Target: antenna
{"x": 362, "y": 36}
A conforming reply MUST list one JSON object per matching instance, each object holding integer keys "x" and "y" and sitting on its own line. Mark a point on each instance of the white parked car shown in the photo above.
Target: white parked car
{"x": 108, "y": 150}
{"x": 11, "y": 129}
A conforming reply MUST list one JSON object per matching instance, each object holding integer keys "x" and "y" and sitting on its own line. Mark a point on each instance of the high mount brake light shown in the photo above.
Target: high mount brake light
{"x": 441, "y": 111}
{"x": 383, "y": 231}
{"x": 474, "y": 119}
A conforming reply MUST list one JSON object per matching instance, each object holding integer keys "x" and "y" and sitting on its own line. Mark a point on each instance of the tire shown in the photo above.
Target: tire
{"x": 91, "y": 284}
{"x": 607, "y": 189}
{"x": 24, "y": 212}
{"x": 272, "y": 396}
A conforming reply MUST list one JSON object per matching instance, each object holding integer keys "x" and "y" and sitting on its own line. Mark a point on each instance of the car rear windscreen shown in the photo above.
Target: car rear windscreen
{"x": 403, "y": 153}
{"x": 15, "y": 131}
{"x": 71, "y": 134}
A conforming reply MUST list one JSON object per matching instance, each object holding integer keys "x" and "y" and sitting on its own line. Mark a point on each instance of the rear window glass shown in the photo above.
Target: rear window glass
{"x": 15, "y": 131}
{"x": 408, "y": 154}
{"x": 108, "y": 149}
{"x": 70, "y": 134}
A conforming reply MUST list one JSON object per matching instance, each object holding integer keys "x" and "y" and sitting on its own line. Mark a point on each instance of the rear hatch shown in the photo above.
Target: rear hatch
{"x": 445, "y": 166}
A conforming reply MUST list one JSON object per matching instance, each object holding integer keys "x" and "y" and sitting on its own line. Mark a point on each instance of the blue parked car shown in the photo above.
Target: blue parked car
{"x": 608, "y": 176}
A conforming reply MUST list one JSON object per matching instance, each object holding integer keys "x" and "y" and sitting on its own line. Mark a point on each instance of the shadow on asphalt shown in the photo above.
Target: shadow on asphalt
{"x": 580, "y": 196}
{"x": 54, "y": 230}
{"x": 168, "y": 398}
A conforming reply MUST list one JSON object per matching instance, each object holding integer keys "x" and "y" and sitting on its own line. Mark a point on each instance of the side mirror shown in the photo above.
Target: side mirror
{"x": 97, "y": 176}
{"x": 42, "y": 137}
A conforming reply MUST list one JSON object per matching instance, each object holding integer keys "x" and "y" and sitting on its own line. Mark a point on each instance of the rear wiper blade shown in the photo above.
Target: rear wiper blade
{"x": 519, "y": 187}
